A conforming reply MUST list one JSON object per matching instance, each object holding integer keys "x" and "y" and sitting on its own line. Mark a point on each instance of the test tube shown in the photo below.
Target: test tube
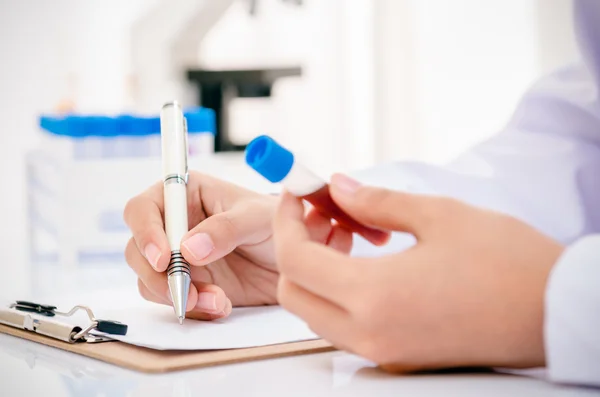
{"x": 278, "y": 165}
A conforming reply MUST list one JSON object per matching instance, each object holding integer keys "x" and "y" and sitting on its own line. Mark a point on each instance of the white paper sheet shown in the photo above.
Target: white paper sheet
{"x": 157, "y": 327}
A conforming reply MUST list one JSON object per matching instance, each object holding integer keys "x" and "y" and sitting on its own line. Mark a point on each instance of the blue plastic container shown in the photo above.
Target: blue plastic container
{"x": 101, "y": 136}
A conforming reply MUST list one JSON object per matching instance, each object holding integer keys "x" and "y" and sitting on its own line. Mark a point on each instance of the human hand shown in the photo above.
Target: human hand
{"x": 469, "y": 293}
{"x": 229, "y": 247}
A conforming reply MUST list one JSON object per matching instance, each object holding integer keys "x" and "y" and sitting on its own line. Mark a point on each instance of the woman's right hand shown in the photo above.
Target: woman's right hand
{"x": 229, "y": 246}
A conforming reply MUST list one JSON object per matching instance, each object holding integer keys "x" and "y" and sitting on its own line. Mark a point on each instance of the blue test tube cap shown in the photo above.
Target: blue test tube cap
{"x": 269, "y": 158}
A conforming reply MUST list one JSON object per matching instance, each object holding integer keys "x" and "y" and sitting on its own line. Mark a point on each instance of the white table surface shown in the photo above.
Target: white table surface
{"x": 31, "y": 369}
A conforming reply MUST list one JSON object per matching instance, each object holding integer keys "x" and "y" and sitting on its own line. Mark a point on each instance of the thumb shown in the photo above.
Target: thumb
{"x": 384, "y": 208}
{"x": 220, "y": 234}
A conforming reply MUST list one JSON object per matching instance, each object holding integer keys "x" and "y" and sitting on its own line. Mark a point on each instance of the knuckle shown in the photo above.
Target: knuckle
{"x": 370, "y": 196}
{"x": 200, "y": 179}
{"x": 437, "y": 210}
{"x": 374, "y": 201}
{"x": 431, "y": 216}
{"x": 195, "y": 176}
{"x": 130, "y": 251}
{"x": 387, "y": 199}
{"x": 130, "y": 209}
{"x": 448, "y": 206}
{"x": 230, "y": 231}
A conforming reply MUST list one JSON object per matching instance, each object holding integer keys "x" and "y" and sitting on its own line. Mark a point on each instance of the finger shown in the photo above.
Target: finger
{"x": 155, "y": 282}
{"x": 325, "y": 318}
{"x": 315, "y": 267}
{"x": 201, "y": 316}
{"x": 385, "y": 208}
{"x": 228, "y": 308}
{"x": 340, "y": 239}
{"x": 212, "y": 303}
{"x": 193, "y": 313}
{"x": 196, "y": 315}
{"x": 144, "y": 217}
{"x": 218, "y": 235}
{"x": 321, "y": 230}
{"x": 319, "y": 227}
{"x": 211, "y": 298}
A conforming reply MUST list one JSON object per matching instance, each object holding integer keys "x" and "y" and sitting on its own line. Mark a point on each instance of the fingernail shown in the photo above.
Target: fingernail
{"x": 345, "y": 184}
{"x": 207, "y": 301}
{"x": 152, "y": 254}
{"x": 200, "y": 245}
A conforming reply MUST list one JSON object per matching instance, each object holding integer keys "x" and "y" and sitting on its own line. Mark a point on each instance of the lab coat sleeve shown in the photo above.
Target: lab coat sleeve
{"x": 572, "y": 317}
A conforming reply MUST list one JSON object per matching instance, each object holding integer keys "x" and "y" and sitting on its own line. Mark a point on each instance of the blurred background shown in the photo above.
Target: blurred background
{"x": 346, "y": 83}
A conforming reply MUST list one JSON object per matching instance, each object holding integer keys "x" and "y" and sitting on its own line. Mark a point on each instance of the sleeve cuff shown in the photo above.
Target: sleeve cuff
{"x": 572, "y": 315}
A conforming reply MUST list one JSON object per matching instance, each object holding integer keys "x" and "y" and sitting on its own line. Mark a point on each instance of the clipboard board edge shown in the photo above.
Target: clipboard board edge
{"x": 147, "y": 360}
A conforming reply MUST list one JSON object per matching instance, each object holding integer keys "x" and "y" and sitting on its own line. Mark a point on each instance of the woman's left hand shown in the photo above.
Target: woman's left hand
{"x": 469, "y": 293}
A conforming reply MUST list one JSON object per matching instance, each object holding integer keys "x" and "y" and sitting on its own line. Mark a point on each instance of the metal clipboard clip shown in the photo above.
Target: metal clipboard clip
{"x": 41, "y": 319}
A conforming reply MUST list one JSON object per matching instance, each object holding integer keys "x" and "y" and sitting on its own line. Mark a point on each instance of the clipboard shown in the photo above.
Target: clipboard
{"x": 62, "y": 335}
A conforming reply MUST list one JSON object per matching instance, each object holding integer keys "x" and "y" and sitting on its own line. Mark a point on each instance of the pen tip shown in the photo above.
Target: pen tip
{"x": 181, "y": 320}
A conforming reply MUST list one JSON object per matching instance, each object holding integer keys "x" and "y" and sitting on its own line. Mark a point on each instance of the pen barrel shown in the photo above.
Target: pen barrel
{"x": 176, "y": 226}
{"x": 174, "y": 143}
{"x": 176, "y": 223}
{"x": 175, "y": 170}
{"x": 176, "y": 215}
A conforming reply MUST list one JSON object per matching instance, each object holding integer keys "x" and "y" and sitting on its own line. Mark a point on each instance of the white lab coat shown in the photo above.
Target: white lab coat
{"x": 544, "y": 168}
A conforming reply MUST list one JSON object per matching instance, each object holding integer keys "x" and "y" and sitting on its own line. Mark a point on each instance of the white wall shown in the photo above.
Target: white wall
{"x": 451, "y": 72}
{"x": 475, "y": 59}
{"x": 555, "y": 34}
{"x": 51, "y": 52}
{"x": 30, "y": 81}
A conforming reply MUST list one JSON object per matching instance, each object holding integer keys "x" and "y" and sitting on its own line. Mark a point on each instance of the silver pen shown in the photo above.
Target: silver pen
{"x": 173, "y": 130}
